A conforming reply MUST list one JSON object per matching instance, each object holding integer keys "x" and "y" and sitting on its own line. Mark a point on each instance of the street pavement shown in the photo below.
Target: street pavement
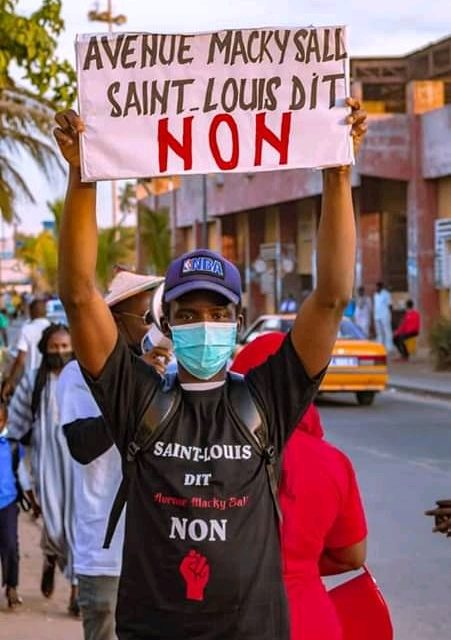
{"x": 419, "y": 376}
{"x": 401, "y": 449}
{"x": 37, "y": 618}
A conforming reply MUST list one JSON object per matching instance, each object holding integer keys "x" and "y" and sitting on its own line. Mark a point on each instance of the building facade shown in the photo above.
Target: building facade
{"x": 267, "y": 222}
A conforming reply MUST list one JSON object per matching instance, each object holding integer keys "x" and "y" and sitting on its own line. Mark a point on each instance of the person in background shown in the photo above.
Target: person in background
{"x": 409, "y": 327}
{"x": 14, "y": 482}
{"x": 289, "y": 305}
{"x": 363, "y": 311}
{"x": 382, "y": 316}
{"x": 16, "y": 301}
{"x": 4, "y": 324}
{"x": 323, "y": 526}
{"x": 97, "y": 476}
{"x": 34, "y": 416}
{"x": 442, "y": 515}
{"x": 28, "y": 356}
{"x": 350, "y": 309}
{"x": 323, "y": 531}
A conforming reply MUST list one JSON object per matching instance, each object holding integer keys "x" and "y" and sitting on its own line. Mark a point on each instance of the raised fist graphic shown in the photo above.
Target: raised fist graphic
{"x": 196, "y": 573}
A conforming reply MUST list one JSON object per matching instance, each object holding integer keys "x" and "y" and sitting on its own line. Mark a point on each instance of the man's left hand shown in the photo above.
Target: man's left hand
{"x": 357, "y": 119}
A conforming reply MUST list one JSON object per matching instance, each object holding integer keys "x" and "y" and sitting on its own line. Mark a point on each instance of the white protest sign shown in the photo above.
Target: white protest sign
{"x": 241, "y": 100}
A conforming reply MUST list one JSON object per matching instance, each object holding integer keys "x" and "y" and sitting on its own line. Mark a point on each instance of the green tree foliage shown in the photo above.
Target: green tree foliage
{"x": 155, "y": 238}
{"x": 153, "y": 231}
{"x": 40, "y": 254}
{"x": 127, "y": 198}
{"x": 56, "y": 208}
{"x": 28, "y": 44}
{"x": 116, "y": 246}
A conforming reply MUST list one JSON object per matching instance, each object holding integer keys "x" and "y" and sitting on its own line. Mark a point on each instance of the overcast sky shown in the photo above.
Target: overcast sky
{"x": 380, "y": 27}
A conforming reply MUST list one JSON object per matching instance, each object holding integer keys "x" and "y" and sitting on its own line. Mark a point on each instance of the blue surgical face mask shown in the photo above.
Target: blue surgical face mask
{"x": 203, "y": 348}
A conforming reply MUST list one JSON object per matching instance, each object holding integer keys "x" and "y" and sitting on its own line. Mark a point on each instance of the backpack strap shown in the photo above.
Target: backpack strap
{"x": 248, "y": 414}
{"x": 160, "y": 411}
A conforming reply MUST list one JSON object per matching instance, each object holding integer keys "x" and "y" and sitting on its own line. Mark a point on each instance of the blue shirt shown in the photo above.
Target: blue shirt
{"x": 8, "y": 489}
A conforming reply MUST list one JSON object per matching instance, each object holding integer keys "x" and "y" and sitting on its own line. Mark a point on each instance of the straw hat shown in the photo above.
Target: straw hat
{"x": 127, "y": 284}
{"x": 157, "y": 304}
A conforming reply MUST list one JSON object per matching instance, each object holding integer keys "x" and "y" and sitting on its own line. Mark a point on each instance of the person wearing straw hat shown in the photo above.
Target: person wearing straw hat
{"x": 201, "y": 554}
{"x": 97, "y": 473}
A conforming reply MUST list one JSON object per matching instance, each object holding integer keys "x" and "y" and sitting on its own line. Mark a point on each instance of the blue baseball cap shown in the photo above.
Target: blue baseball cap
{"x": 202, "y": 270}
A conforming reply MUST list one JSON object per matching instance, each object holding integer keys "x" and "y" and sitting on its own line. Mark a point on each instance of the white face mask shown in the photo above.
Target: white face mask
{"x": 154, "y": 338}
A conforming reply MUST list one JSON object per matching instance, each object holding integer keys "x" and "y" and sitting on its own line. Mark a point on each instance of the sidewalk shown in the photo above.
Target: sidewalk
{"x": 418, "y": 376}
{"x": 37, "y": 618}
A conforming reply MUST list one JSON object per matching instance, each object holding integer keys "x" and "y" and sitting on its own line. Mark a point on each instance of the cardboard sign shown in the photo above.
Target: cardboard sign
{"x": 241, "y": 100}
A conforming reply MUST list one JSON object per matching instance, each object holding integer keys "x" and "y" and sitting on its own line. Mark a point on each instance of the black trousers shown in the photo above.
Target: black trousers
{"x": 9, "y": 545}
{"x": 400, "y": 343}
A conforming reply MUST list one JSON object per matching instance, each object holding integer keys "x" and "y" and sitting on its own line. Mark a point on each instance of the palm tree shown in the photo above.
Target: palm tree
{"x": 56, "y": 208}
{"x": 26, "y": 123}
{"x": 155, "y": 238}
{"x": 153, "y": 242}
{"x": 116, "y": 245}
{"x": 127, "y": 198}
{"x": 40, "y": 254}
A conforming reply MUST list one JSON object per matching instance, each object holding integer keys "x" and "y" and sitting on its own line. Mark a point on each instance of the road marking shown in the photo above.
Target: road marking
{"x": 430, "y": 464}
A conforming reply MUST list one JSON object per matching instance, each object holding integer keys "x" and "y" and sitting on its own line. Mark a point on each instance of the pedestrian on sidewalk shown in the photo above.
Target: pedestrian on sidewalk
{"x": 409, "y": 327}
{"x": 4, "y": 324}
{"x": 289, "y": 304}
{"x": 97, "y": 463}
{"x": 382, "y": 316}
{"x": 363, "y": 312}
{"x": 34, "y": 416}
{"x": 14, "y": 485}
{"x": 28, "y": 356}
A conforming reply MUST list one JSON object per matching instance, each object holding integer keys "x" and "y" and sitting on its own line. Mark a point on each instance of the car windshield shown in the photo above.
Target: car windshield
{"x": 347, "y": 331}
{"x": 350, "y": 331}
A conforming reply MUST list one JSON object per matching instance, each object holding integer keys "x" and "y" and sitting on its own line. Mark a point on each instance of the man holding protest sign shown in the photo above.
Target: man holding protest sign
{"x": 201, "y": 554}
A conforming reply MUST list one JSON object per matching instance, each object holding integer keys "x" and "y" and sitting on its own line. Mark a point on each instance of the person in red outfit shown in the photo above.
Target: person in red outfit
{"x": 323, "y": 532}
{"x": 324, "y": 527}
{"x": 409, "y": 328}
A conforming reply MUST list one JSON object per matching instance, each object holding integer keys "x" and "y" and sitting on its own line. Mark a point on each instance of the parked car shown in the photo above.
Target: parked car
{"x": 357, "y": 364}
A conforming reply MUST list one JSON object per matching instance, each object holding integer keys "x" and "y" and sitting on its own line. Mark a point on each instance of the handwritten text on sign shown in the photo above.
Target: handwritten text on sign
{"x": 228, "y": 101}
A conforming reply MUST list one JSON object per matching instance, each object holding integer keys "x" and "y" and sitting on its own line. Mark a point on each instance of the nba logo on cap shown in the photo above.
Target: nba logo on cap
{"x": 203, "y": 264}
{"x": 202, "y": 270}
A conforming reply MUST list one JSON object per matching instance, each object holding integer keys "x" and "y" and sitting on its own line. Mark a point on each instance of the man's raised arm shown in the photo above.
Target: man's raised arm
{"x": 318, "y": 320}
{"x": 93, "y": 330}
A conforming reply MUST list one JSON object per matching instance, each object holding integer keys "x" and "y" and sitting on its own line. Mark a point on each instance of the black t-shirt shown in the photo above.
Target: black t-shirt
{"x": 201, "y": 555}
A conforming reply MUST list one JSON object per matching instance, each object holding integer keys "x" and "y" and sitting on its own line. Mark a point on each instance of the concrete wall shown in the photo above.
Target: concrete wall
{"x": 436, "y": 143}
{"x": 444, "y": 211}
{"x": 444, "y": 197}
{"x": 386, "y": 150}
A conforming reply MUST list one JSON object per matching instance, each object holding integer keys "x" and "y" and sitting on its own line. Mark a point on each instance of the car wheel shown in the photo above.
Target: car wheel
{"x": 365, "y": 398}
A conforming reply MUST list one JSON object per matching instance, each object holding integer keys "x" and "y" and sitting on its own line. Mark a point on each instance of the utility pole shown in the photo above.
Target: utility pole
{"x": 107, "y": 16}
{"x": 204, "y": 212}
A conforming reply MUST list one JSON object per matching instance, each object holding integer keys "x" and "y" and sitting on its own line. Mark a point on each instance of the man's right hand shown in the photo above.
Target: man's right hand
{"x": 70, "y": 125}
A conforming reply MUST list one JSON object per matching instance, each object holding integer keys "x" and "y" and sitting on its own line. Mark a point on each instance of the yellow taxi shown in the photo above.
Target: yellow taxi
{"x": 357, "y": 365}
